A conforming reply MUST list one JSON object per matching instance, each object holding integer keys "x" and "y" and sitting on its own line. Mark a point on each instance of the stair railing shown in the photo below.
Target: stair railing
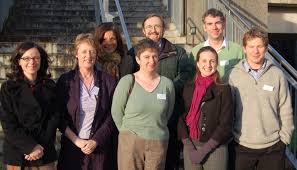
{"x": 236, "y": 26}
{"x": 106, "y": 16}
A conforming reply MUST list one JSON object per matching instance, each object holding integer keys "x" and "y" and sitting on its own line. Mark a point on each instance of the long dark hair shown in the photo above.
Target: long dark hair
{"x": 212, "y": 50}
{"x": 103, "y": 28}
{"x": 16, "y": 69}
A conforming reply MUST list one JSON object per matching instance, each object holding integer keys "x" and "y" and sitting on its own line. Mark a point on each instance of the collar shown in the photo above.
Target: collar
{"x": 248, "y": 68}
{"x": 224, "y": 45}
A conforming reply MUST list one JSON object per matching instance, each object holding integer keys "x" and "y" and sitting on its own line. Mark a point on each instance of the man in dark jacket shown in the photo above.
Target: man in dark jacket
{"x": 173, "y": 64}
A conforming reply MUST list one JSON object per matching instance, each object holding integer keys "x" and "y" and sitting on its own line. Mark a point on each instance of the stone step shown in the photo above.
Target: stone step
{"x": 49, "y": 25}
{"x": 55, "y": 20}
{"x": 145, "y": 3}
{"x": 46, "y": 13}
{"x": 49, "y": 37}
{"x": 62, "y": 2}
{"x": 55, "y": 6}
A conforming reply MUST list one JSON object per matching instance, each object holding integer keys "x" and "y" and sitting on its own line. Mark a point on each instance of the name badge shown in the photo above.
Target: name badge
{"x": 95, "y": 90}
{"x": 224, "y": 62}
{"x": 268, "y": 87}
{"x": 161, "y": 96}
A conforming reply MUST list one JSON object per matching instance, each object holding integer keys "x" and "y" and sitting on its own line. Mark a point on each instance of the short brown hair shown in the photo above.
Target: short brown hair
{"x": 153, "y": 15}
{"x": 255, "y": 32}
{"x": 214, "y": 13}
{"x": 144, "y": 45}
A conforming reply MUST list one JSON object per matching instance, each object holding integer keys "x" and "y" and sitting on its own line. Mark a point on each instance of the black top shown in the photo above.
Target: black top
{"x": 28, "y": 117}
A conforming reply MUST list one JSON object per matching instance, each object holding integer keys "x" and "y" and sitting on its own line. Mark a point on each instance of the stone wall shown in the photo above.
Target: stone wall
{"x": 256, "y": 10}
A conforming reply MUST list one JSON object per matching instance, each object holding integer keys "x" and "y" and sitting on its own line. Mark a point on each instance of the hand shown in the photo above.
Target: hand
{"x": 36, "y": 153}
{"x": 196, "y": 156}
{"x": 89, "y": 147}
{"x": 81, "y": 143}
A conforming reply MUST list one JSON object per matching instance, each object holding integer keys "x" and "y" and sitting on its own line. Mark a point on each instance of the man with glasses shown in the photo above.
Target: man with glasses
{"x": 174, "y": 64}
{"x": 230, "y": 53}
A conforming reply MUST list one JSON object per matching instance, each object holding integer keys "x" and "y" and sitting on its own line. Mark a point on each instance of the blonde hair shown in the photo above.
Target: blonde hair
{"x": 84, "y": 38}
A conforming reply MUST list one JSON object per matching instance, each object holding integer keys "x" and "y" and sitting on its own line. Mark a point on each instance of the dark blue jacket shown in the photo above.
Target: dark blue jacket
{"x": 71, "y": 157}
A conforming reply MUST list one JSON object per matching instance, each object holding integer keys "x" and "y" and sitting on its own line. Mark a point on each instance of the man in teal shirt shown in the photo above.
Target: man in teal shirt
{"x": 229, "y": 52}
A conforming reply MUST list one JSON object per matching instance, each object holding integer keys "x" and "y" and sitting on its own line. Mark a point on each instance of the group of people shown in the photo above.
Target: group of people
{"x": 139, "y": 109}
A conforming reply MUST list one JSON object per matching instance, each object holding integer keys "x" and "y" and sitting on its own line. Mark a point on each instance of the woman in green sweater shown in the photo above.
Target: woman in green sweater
{"x": 142, "y": 105}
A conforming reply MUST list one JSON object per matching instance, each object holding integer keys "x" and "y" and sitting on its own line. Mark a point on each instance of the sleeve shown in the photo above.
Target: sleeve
{"x": 186, "y": 69}
{"x": 285, "y": 112}
{"x": 241, "y": 54}
{"x": 182, "y": 129}
{"x": 223, "y": 130}
{"x": 171, "y": 100}
{"x": 119, "y": 101}
{"x": 104, "y": 133}
{"x": 52, "y": 122}
{"x": 62, "y": 103}
{"x": 13, "y": 130}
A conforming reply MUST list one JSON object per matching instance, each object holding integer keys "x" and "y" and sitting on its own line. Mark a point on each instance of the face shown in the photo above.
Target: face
{"x": 153, "y": 29}
{"x": 207, "y": 63}
{"x": 109, "y": 43}
{"x": 255, "y": 52}
{"x": 86, "y": 55}
{"x": 30, "y": 62}
{"x": 214, "y": 27}
{"x": 148, "y": 60}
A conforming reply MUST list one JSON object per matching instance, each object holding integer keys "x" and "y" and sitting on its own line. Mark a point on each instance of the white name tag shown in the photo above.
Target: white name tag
{"x": 267, "y": 87}
{"x": 161, "y": 96}
{"x": 224, "y": 62}
{"x": 95, "y": 90}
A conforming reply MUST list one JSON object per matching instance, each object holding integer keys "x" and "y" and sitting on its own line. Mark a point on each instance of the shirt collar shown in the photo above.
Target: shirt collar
{"x": 248, "y": 68}
{"x": 224, "y": 44}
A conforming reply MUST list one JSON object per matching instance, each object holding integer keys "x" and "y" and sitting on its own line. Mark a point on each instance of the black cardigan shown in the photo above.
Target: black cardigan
{"x": 28, "y": 118}
{"x": 218, "y": 111}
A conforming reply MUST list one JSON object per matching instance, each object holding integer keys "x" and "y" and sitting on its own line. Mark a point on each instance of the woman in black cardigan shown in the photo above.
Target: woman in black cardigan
{"x": 29, "y": 115}
{"x": 205, "y": 126}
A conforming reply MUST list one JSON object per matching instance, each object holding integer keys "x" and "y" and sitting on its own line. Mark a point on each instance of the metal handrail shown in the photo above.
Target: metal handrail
{"x": 104, "y": 12}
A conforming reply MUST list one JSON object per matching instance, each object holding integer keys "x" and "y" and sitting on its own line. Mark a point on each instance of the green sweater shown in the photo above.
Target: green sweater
{"x": 263, "y": 114}
{"x": 145, "y": 113}
{"x": 228, "y": 56}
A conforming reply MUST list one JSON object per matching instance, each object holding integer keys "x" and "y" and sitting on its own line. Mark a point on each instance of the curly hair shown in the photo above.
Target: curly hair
{"x": 108, "y": 26}
{"x": 16, "y": 69}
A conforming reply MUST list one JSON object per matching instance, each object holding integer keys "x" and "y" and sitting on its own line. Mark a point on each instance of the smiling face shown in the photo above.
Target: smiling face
{"x": 153, "y": 29}
{"x": 255, "y": 52}
{"x": 148, "y": 60}
{"x": 214, "y": 27}
{"x": 86, "y": 55}
{"x": 207, "y": 63}
{"x": 109, "y": 43}
{"x": 30, "y": 62}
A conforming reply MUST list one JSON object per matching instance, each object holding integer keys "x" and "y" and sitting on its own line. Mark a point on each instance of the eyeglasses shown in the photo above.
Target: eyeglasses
{"x": 151, "y": 27}
{"x": 27, "y": 59}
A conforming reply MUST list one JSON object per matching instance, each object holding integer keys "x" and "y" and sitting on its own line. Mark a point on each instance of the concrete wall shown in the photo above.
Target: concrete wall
{"x": 282, "y": 20}
{"x": 194, "y": 12}
{"x": 283, "y": 1}
{"x": 4, "y": 10}
{"x": 253, "y": 9}
{"x": 177, "y": 14}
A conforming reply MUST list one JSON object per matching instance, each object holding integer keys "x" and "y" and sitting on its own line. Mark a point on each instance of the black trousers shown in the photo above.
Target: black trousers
{"x": 271, "y": 158}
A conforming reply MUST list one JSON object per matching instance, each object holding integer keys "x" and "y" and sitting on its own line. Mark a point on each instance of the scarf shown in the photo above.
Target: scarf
{"x": 110, "y": 63}
{"x": 201, "y": 85}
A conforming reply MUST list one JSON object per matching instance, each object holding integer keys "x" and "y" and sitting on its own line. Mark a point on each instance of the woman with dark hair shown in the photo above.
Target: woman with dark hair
{"x": 29, "y": 115}
{"x": 87, "y": 127}
{"x": 112, "y": 58}
{"x": 206, "y": 122}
